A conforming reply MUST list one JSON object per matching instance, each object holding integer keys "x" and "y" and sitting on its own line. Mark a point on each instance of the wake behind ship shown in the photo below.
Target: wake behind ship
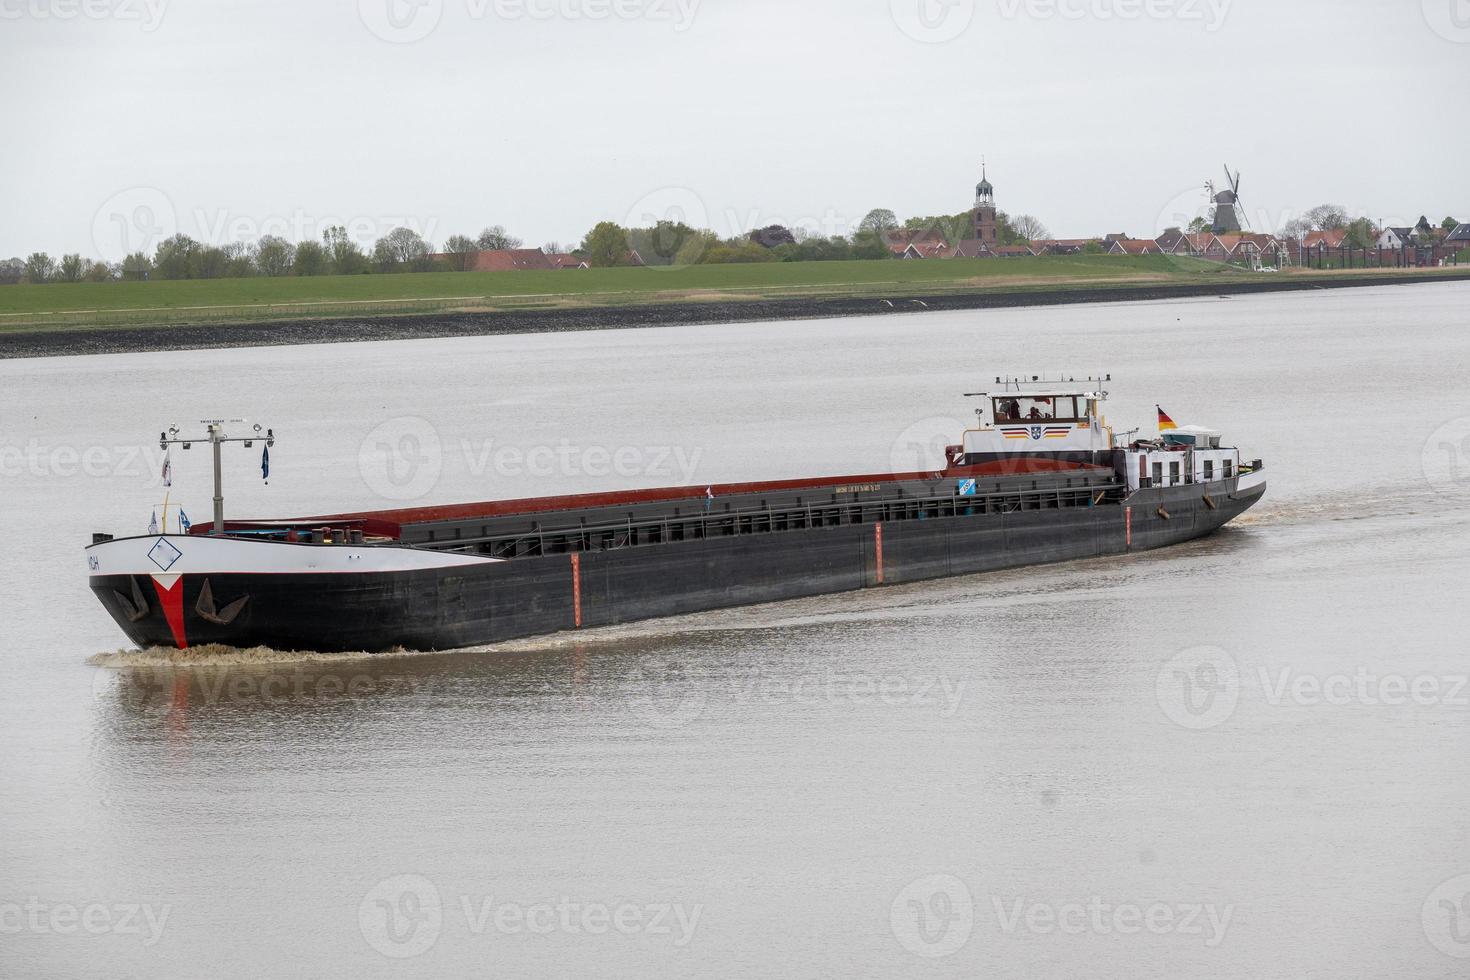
{"x": 1042, "y": 478}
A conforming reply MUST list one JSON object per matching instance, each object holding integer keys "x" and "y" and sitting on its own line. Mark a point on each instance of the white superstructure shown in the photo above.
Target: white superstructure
{"x": 1066, "y": 422}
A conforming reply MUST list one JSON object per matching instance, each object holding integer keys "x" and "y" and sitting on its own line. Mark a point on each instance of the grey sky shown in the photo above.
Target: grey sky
{"x": 227, "y": 118}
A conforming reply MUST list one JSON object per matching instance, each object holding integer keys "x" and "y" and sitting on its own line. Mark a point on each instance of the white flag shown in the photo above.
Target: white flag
{"x": 153, "y": 523}
{"x": 168, "y": 471}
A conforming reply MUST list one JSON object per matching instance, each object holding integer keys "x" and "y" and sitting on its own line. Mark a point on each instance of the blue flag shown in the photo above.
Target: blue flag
{"x": 184, "y": 521}
{"x": 265, "y": 463}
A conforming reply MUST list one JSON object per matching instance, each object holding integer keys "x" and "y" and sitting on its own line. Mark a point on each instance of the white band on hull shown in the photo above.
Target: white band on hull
{"x": 1250, "y": 481}
{"x": 171, "y": 555}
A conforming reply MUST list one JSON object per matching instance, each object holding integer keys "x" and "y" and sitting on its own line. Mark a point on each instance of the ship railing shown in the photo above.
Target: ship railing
{"x": 629, "y": 532}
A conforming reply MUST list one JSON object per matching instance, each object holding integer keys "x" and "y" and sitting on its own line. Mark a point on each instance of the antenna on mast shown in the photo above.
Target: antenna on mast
{"x": 215, "y": 436}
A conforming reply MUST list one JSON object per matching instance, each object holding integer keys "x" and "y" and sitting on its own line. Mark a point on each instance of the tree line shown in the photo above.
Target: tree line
{"x": 404, "y": 250}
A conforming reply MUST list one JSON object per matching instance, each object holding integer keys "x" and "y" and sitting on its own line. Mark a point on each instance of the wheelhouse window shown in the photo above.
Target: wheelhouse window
{"x": 1051, "y": 408}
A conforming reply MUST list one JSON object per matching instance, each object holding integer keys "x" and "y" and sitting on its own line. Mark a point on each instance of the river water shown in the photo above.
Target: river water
{"x": 1241, "y": 757}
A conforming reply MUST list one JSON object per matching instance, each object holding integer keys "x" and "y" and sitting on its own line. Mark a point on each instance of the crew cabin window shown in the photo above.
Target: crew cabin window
{"x": 1158, "y": 474}
{"x": 1036, "y": 408}
{"x": 1228, "y": 467}
{"x": 1209, "y": 470}
{"x": 1173, "y": 474}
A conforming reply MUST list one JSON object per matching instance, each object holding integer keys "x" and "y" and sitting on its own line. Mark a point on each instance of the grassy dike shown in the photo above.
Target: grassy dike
{"x": 72, "y": 318}
{"x": 226, "y": 300}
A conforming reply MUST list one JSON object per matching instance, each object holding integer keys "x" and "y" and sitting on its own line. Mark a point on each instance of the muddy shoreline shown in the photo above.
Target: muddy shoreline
{"x": 108, "y": 340}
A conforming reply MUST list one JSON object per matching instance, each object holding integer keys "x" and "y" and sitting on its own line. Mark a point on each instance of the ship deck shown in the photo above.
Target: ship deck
{"x": 606, "y": 521}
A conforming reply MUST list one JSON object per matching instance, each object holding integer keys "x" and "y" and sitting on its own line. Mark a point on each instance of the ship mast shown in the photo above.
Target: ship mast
{"x": 215, "y": 436}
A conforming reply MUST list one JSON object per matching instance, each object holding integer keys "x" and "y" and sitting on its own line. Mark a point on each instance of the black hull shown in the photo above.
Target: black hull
{"x": 442, "y": 609}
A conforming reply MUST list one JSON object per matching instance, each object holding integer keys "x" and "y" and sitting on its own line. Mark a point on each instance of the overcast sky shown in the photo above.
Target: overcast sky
{"x": 228, "y": 118}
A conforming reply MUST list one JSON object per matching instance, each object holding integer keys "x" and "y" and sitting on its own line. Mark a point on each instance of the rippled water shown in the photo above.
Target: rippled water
{"x": 1241, "y": 757}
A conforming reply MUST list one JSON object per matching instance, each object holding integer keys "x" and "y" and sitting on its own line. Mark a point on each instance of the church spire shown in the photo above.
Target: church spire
{"x": 984, "y": 191}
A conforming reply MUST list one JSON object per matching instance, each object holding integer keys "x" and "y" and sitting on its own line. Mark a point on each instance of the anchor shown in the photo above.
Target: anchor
{"x": 135, "y": 608}
{"x": 205, "y": 607}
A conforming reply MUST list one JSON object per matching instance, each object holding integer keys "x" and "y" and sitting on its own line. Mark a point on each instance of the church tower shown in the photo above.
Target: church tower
{"x": 982, "y": 219}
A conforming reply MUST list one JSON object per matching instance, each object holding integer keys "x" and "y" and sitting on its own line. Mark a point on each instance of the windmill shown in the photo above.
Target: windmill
{"x": 1229, "y": 215}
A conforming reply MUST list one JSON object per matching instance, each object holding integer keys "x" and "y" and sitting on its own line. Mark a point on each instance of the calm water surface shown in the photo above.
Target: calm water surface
{"x": 1242, "y": 757}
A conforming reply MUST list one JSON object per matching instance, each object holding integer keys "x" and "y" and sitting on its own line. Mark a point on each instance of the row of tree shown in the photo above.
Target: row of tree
{"x": 676, "y": 243}
{"x": 181, "y": 257}
{"x": 404, "y": 250}
{"x": 1361, "y": 232}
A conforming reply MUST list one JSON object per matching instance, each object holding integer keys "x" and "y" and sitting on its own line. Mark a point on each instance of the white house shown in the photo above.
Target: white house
{"x": 1396, "y": 238}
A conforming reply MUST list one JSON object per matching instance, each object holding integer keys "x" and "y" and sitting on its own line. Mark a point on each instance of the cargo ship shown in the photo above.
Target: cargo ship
{"x": 1042, "y": 477}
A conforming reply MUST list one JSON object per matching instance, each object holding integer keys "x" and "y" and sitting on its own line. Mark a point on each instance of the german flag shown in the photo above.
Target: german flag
{"x": 1166, "y": 424}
